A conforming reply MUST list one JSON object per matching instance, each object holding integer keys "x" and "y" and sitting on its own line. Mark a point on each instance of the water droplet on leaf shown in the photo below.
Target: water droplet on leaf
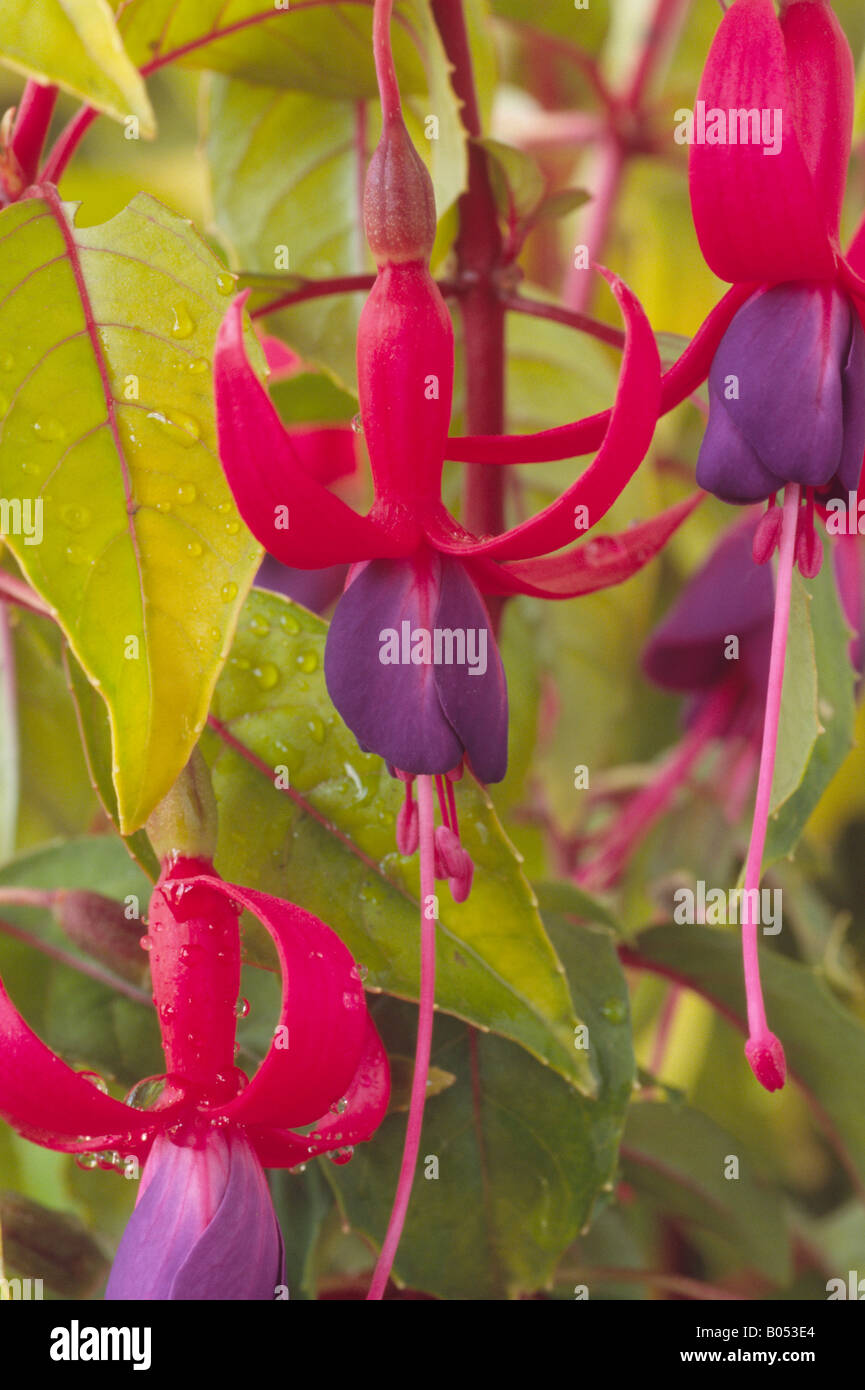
{"x": 49, "y": 430}
{"x": 182, "y": 322}
{"x": 267, "y": 675}
{"x": 614, "y": 1010}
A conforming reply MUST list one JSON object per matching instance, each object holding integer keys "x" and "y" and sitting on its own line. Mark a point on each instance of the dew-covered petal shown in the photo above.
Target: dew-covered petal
{"x": 321, "y": 1031}
{"x": 52, "y": 1105}
{"x": 352, "y": 1120}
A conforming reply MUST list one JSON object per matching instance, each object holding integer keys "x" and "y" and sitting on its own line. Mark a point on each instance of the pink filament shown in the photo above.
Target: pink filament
{"x": 424, "y": 1044}
{"x": 757, "y": 1025}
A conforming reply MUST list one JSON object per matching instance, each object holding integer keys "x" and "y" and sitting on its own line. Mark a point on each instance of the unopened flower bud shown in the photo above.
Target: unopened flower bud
{"x": 398, "y": 204}
{"x": 99, "y": 927}
{"x": 52, "y": 1246}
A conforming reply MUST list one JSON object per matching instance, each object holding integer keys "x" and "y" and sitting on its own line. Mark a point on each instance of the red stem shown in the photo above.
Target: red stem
{"x": 479, "y": 254}
{"x": 66, "y": 143}
{"x": 316, "y": 289}
{"x": 571, "y": 318}
{"x": 426, "y": 832}
{"x": 15, "y": 590}
{"x": 31, "y": 127}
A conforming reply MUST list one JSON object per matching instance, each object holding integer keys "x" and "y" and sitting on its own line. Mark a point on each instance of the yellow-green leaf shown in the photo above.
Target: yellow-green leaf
{"x": 107, "y": 427}
{"x": 75, "y": 44}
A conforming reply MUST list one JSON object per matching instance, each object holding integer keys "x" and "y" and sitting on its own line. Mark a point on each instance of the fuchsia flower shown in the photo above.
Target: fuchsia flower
{"x": 203, "y": 1225}
{"x": 783, "y": 349}
{"x": 787, "y": 379}
{"x": 417, "y": 572}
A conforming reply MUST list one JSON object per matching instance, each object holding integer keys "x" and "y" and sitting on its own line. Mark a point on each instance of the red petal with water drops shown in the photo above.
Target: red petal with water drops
{"x": 772, "y": 216}
{"x": 628, "y": 436}
{"x": 598, "y": 563}
{"x": 49, "y": 1103}
{"x": 194, "y": 942}
{"x": 365, "y": 1104}
{"x": 290, "y": 513}
{"x": 320, "y": 1034}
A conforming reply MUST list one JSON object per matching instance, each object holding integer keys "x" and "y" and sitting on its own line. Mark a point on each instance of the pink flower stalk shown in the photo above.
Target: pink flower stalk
{"x": 203, "y": 1225}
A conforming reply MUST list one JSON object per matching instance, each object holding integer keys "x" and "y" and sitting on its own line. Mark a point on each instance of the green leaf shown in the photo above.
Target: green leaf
{"x": 108, "y": 423}
{"x": 680, "y": 1159}
{"x": 320, "y": 48}
{"x": 56, "y": 795}
{"x": 584, "y": 27}
{"x": 9, "y": 738}
{"x": 302, "y": 1202}
{"x": 75, "y": 44}
{"x": 824, "y": 1042}
{"x": 559, "y": 204}
{"x": 522, "y": 1158}
{"x": 329, "y": 844}
{"x": 517, "y": 182}
{"x": 95, "y": 735}
{"x": 817, "y": 710}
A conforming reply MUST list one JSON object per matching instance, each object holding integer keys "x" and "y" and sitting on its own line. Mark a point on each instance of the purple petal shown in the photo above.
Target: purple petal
{"x": 793, "y": 362}
{"x": 391, "y": 706}
{"x": 203, "y": 1226}
{"x": 473, "y": 694}
{"x": 727, "y": 466}
{"x": 729, "y": 596}
{"x": 854, "y": 410}
{"x": 314, "y": 589}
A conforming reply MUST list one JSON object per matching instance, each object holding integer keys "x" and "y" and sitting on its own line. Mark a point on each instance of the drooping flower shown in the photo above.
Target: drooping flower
{"x": 713, "y": 646}
{"x": 204, "y": 1225}
{"x": 783, "y": 349}
{"x": 412, "y": 662}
